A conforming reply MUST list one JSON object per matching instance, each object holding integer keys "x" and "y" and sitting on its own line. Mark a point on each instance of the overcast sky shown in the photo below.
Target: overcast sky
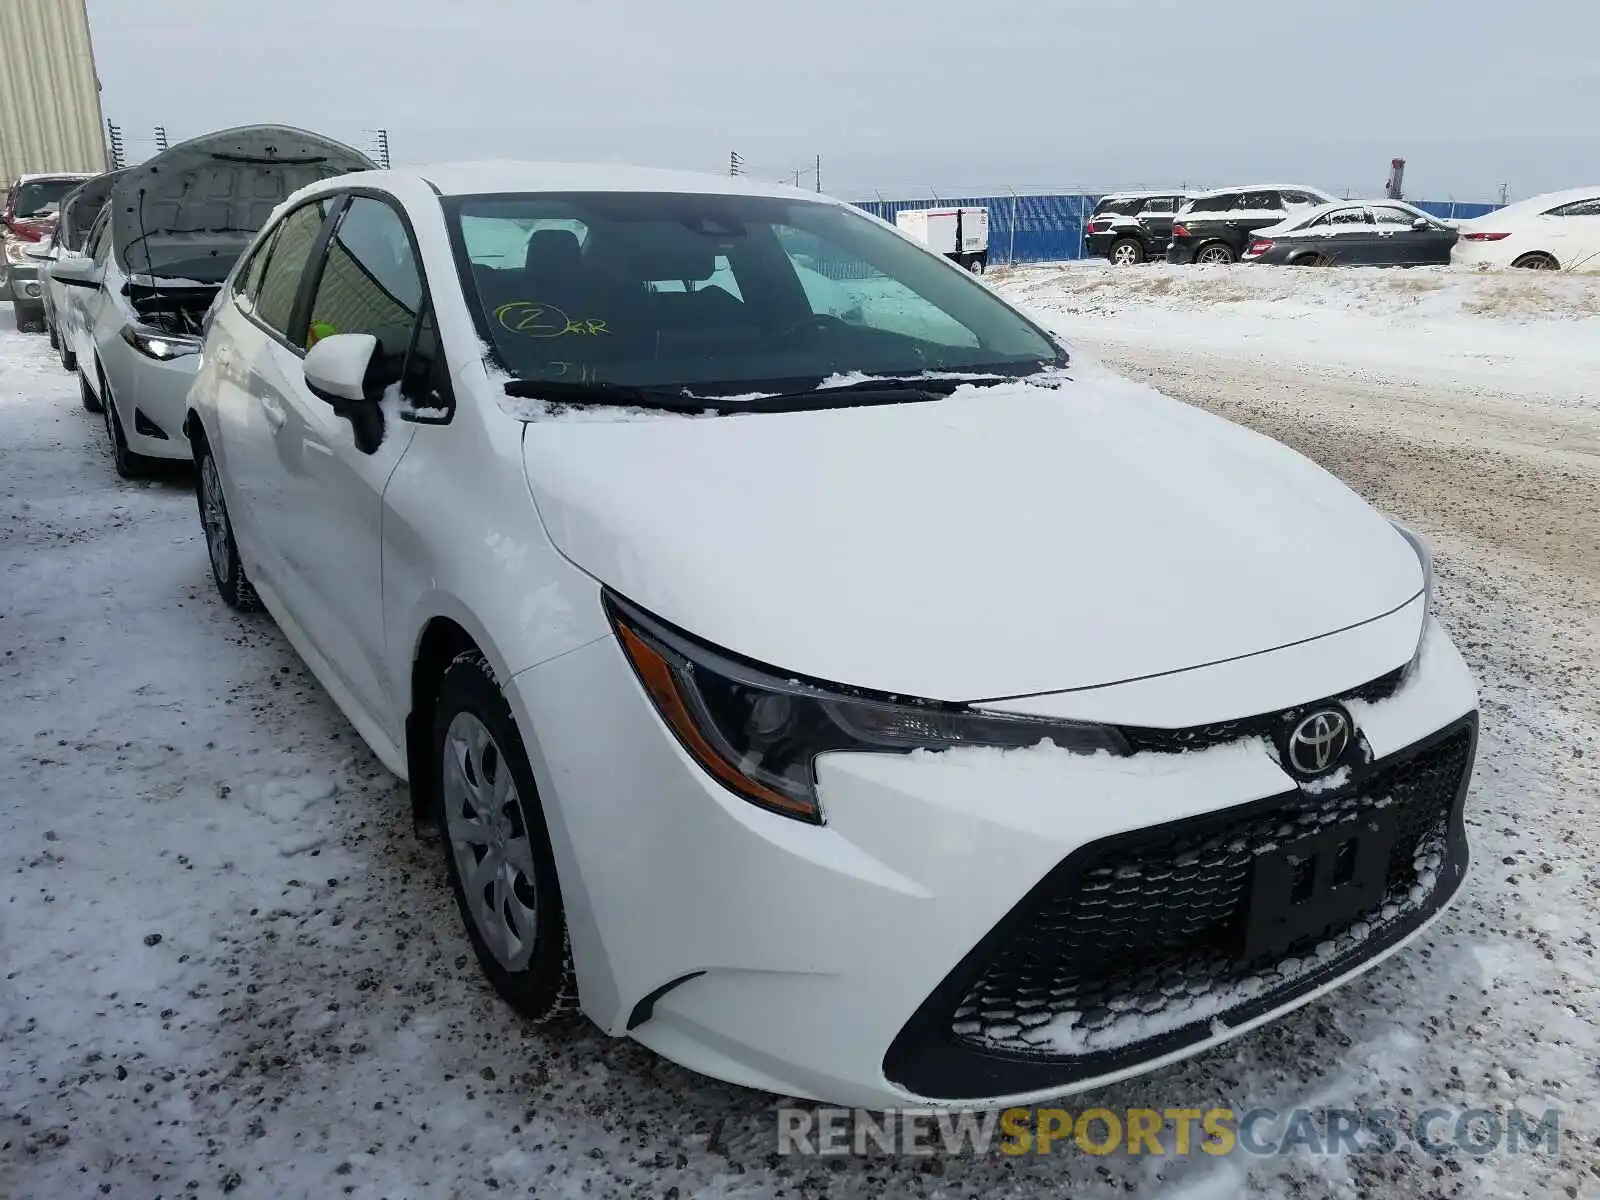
{"x": 901, "y": 96}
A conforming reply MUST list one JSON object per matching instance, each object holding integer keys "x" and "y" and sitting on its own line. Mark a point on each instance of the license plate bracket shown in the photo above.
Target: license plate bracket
{"x": 1316, "y": 884}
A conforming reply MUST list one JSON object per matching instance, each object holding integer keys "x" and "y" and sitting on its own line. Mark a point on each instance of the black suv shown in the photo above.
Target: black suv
{"x": 1216, "y": 227}
{"x": 1129, "y": 227}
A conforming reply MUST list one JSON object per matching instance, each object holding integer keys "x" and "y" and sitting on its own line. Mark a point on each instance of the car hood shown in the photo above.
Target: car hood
{"x": 1007, "y": 540}
{"x": 211, "y": 194}
{"x": 83, "y": 204}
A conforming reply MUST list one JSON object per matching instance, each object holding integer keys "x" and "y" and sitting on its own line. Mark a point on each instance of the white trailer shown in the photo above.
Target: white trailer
{"x": 960, "y": 234}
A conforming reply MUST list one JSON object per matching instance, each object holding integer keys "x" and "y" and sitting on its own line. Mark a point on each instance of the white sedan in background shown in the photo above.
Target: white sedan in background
{"x": 1559, "y": 231}
{"x": 857, "y": 706}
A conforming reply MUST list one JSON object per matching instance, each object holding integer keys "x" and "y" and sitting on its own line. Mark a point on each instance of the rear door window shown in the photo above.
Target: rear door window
{"x": 1216, "y": 204}
{"x": 100, "y": 239}
{"x": 286, "y": 267}
{"x": 247, "y": 283}
{"x": 1389, "y": 216}
{"x": 1259, "y": 201}
{"x": 1578, "y": 208}
{"x": 1159, "y": 205}
{"x": 1123, "y": 206}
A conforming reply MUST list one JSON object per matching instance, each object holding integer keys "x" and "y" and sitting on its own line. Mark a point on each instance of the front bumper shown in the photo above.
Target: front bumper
{"x": 866, "y": 961}
{"x": 25, "y": 283}
{"x": 151, "y": 398}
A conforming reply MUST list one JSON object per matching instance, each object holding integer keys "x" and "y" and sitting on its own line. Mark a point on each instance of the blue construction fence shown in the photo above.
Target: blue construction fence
{"x": 1024, "y": 229}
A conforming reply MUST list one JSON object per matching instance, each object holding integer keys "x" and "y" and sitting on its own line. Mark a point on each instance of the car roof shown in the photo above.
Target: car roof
{"x": 1305, "y": 214}
{"x": 1538, "y": 204}
{"x": 1260, "y": 187}
{"x": 469, "y": 178}
{"x": 1142, "y": 194}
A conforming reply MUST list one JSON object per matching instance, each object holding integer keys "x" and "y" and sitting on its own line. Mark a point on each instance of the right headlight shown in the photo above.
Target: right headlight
{"x": 1425, "y": 557}
{"x": 759, "y": 733}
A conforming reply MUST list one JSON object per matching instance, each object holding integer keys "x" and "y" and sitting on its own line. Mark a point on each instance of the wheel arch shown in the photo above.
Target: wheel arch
{"x": 1202, "y": 247}
{"x": 448, "y": 632}
{"x": 1521, "y": 259}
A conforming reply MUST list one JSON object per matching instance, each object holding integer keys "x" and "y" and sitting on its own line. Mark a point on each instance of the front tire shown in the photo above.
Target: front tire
{"x": 30, "y": 317}
{"x": 1126, "y": 252}
{"x": 496, "y": 845}
{"x": 227, "y": 572}
{"x": 128, "y": 464}
{"x": 91, "y": 402}
{"x": 1217, "y": 254}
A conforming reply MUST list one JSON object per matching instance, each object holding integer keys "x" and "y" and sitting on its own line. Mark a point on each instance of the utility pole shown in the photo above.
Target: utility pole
{"x": 1505, "y": 194}
{"x": 819, "y": 172}
{"x": 383, "y": 148}
{"x": 119, "y": 157}
{"x": 161, "y": 138}
{"x": 735, "y": 163}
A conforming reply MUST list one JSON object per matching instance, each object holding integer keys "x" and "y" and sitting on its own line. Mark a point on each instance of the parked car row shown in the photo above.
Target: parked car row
{"x": 32, "y": 205}
{"x": 570, "y": 484}
{"x": 1297, "y": 225}
{"x": 137, "y": 257}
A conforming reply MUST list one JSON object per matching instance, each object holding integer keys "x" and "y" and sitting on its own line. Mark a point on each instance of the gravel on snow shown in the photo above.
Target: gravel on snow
{"x": 227, "y": 968}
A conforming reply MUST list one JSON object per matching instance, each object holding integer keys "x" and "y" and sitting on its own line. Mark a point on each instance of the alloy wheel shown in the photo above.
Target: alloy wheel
{"x": 1124, "y": 255}
{"x": 214, "y": 516}
{"x": 489, "y": 840}
{"x": 1215, "y": 256}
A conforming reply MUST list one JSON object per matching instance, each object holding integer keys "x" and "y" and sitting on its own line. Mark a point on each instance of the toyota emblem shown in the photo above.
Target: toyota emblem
{"x": 1316, "y": 742}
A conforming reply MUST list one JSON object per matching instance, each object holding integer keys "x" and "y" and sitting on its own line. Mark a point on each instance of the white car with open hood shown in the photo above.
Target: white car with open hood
{"x": 169, "y": 232}
{"x": 869, "y": 706}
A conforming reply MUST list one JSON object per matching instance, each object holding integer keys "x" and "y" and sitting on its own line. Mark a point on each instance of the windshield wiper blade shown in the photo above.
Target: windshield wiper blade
{"x": 861, "y": 393}
{"x": 561, "y": 391}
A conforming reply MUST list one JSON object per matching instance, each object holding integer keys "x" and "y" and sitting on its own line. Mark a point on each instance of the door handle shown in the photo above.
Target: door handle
{"x": 274, "y": 413}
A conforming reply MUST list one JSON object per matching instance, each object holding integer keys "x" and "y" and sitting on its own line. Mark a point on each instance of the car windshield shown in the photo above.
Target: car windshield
{"x": 41, "y": 197}
{"x": 721, "y": 295}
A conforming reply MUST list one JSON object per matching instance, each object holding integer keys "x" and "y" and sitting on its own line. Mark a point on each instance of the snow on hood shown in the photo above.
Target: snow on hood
{"x": 211, "y": 194}
{"x": 1003, "y": 541}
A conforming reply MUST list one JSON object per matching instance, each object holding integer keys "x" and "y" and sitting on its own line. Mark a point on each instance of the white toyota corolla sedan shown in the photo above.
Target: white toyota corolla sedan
{"x": 845, "y": 698}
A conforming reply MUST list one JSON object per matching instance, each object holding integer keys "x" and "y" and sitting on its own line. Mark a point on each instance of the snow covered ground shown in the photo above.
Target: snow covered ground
{"x": 227, "y": 968}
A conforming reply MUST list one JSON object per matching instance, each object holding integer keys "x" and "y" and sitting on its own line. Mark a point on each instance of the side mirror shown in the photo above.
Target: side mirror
{"x": 1421, "y": 223}
{"x": 336, "y": 368}
{"x": 78, "y": 272}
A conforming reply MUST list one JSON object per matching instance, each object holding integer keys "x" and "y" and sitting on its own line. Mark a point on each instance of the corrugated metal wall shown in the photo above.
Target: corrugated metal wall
{"x": 49, "y": 96}
{"x": 1050, "y": 228}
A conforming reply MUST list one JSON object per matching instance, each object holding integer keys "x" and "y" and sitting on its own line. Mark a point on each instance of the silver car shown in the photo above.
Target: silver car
{"x": 167, "y": 237}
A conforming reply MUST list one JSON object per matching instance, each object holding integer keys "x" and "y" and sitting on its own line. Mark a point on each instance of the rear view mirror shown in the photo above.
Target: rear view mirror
{"x": 1421, "y": 223}
{"x": 336, "y": 368}
{"x": 78, "y": 272}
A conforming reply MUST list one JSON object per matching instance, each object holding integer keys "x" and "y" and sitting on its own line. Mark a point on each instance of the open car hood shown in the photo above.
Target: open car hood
{"x": 82, "y": 206}
{"x": 1004, "y": 541}
{"x": 210, "y": 195}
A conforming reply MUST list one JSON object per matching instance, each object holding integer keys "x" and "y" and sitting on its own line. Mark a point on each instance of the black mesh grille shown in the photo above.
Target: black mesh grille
{"x": 1198, "y": 737}
{"x": 1150, "y": 919}
{"x": 1152, "y": 923}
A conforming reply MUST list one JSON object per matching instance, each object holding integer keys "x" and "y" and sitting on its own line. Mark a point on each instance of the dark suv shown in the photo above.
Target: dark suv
{"x": 1129, "y": 227}
{"x": 1216, "y": 227}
